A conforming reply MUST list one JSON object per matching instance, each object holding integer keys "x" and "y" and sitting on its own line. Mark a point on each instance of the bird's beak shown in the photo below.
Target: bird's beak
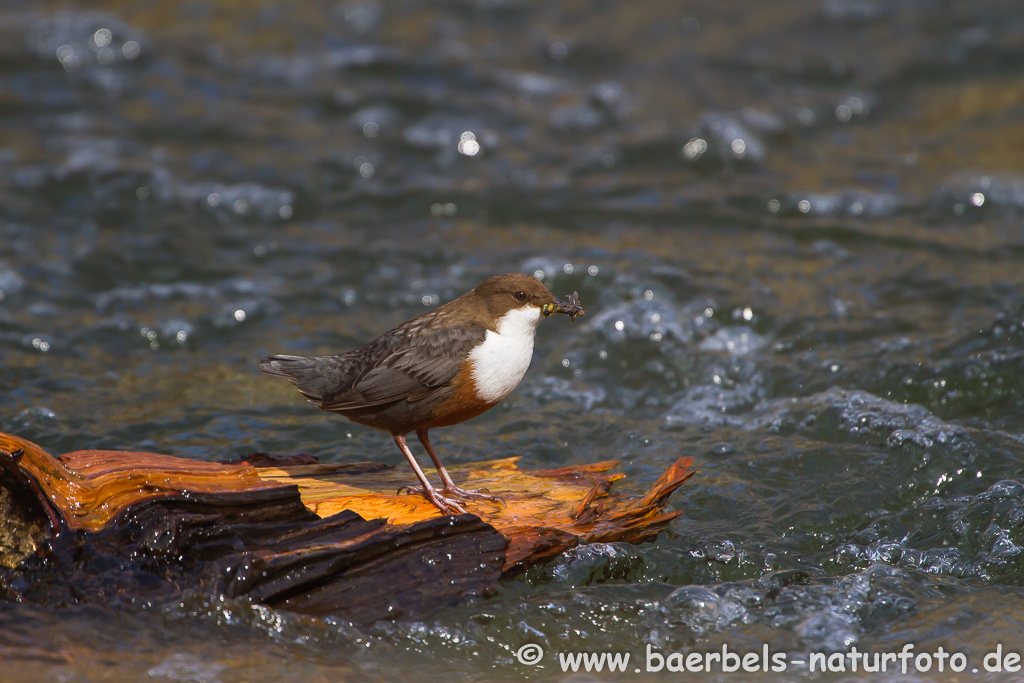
{"x": 571, "y": 308}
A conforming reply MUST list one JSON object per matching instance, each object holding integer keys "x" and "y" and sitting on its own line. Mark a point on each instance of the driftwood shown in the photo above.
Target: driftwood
{"x": 307, "y": 536}
{"x": 546, "y": 511}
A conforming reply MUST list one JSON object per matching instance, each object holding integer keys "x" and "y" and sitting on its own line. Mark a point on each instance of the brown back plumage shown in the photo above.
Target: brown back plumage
{"x": 415, "y": 359}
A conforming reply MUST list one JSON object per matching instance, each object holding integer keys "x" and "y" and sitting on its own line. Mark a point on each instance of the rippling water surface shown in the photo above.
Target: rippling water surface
{"x": 796, "y": 226}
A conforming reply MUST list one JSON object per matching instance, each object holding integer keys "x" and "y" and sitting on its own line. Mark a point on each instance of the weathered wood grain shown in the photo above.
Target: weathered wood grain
{"x": 546, "y": 511}
{"x": 291, "y": 532}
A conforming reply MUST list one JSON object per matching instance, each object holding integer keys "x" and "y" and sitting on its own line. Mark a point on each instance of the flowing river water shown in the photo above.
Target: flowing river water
{"x": 797, "y": 228}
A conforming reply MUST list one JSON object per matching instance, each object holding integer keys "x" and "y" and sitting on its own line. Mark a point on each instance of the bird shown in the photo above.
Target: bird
{"x": 439, "y": 369}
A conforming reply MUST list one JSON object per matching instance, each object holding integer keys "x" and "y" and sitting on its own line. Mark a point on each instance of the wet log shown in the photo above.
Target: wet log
{"x": 546, "y": 511}
{"x": 320, "y": 538}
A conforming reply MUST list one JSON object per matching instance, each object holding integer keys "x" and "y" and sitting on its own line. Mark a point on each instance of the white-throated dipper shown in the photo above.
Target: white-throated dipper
{"x": 436, "y": 370}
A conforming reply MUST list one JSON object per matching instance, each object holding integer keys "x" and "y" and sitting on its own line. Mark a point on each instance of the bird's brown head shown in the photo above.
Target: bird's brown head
{"x": 518, "y": 291}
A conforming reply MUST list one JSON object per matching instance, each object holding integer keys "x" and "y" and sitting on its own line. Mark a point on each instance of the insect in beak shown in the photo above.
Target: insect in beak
{"x": 570, "y": 307}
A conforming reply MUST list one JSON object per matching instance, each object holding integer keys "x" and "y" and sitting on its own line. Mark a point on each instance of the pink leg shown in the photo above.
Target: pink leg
{"x": 449, "y": 485}
{"x": 445, "y": 505}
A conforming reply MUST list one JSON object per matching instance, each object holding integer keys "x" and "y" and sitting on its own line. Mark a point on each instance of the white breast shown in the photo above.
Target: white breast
{"x": 503, "y": 357}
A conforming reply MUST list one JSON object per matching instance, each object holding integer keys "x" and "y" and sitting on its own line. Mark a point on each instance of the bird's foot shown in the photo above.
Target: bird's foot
{"x": 447, "y": 506}
{"x": 477, "y": 494}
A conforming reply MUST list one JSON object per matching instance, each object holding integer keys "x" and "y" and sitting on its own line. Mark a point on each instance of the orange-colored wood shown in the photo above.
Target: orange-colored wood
{"x": 546, "y": 511}
{"x": 90, "y": 488}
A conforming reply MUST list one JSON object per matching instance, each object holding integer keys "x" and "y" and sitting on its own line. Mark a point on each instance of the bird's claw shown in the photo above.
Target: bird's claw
{"x": 447, "y": 506}
{"x": 478, "y": 494}
{"x": 451, "y": 496}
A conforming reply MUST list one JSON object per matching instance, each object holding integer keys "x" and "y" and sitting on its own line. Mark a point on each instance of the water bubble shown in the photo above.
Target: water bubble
{"x": 619, "y": 325}
{"x": 371, "y": 129}
{"x": 774, "y": 205}
{"x": 68, "y": 58}
{"x": 285, "y": 212}
{"x": 105, "y": 56}
{"x": 977, "y": 199}
{"x": 142, "y": 193}
{"x": 438, "y": 210}
{"x": 558, "y": 51}
{"x": 694, "y": 149}
{"x": 737, "y": 341}
{"x": 366, "y": 170}
{"x": 131, "y": 49}
{"x": 852, "y": 107}
{"x": 648, "y": 294}
{"x": 726, "y": 139}
{"x": 239, "y": 315}
{"x": 102, "y": 37}
{"x": 249, "y": 199}
{"x": 567, "y": 269}
{"x": 592, "y": 270}
{"x": 565, "y": 362}
{"x": 722, "y": 449}
{"x": 468, "y": 145}
{"x": 803, "y": 206}
{"x": 806, "y": 117}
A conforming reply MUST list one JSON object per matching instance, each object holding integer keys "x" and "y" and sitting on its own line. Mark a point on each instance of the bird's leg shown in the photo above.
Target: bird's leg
{"x": 449, "y": 485}
{"x": 445, "y": 505}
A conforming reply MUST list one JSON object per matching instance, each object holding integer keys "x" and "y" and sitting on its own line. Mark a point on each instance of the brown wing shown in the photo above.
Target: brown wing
{"x": 410, "y": 362}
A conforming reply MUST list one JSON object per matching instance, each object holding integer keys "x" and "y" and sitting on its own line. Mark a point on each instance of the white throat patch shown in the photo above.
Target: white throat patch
{"x": 500, "y": 362}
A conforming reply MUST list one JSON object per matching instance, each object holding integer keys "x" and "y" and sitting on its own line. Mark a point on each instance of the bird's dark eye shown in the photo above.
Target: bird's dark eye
{"x": 520, "y": 296}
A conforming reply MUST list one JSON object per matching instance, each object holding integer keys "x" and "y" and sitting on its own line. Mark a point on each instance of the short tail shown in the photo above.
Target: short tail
{"x": 285, "y": 366}
{"x": 314, "y": 377}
